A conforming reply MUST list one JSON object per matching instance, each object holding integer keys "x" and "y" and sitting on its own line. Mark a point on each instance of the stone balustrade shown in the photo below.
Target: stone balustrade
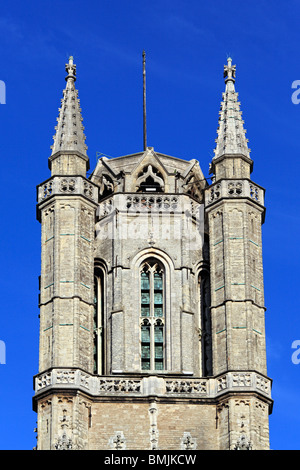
{"x": 152, "y": 385}
{"x": 241, "y": 188}
{"x": 132, "y": 203}
{"x": 67, "y": 185}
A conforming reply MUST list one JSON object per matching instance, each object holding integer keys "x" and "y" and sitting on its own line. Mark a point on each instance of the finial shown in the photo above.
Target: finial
{"x": 71, "y": 69}
{"x": 69, "y": 134}
{"x": 144, "y": 101}
{"x": 229, "y": 71}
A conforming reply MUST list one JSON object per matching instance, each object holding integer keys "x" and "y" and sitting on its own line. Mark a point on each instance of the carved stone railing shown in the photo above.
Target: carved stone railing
{"x": 234, "y": 189}
{"x": 187, "y": 386}
{"x": 139, "y": 203}
{"x": 180, "y": 387}
{"x": 244, "y": 381}
{"x": 67, "y": 185}
{"x": 162, "y": 201}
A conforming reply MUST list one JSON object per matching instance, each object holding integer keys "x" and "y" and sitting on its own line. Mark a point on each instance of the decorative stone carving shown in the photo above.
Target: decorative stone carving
{"x": 47, "y": 189}
{"x": 64, "y": 419}
{"x": 150, "y": 174}
{"x": 105, "y": 208}
{"x": 88, "y": 189}
{"x": 241, "y": 380}
{"x": 64, "y": 443}
{"x": 151, "y": 321}
{"x": 254, "y": 193}
{"x": 243, "y": 443}
{"x": 186, "y": 386}
{"x": 44, "y": 380}
{"x": 106, "y": 186}
{"x": 46, "y": 403}
{"x": 262, "y": 384}
{"x": 67, "y": 185}
{"x": 194, "y": 388}
{"x": 187, "y": 442}
{"x": 235, "y": 188}
{"x": 153, "y": 426}
{"x": 215, "y": 192}
{"x": 222, "y": 383}
{"x": 152, "y": 202}
{"x": 65, "y": 376}
{"x": 118, "y": 441}
{"x": 119, "y": 385}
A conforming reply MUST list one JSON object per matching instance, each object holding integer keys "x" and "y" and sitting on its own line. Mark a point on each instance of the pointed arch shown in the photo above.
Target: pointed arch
{"x": 152, "y": 313}
{"x": 99, "y": 317}
{"x": 150, "y": 180}
{"x": 167, "y": 265}
{"x": 149, "y": 158}
{"x": 204, "y": 322}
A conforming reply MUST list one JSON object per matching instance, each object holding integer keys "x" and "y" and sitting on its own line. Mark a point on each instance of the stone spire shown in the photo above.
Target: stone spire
{"x": 231, "y": 138}
{"x": 69, "y": 130}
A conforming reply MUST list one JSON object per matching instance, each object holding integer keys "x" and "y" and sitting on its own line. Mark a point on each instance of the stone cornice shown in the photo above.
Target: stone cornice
{"x": 161, "y": 386}
{"x": 66, "y": 185}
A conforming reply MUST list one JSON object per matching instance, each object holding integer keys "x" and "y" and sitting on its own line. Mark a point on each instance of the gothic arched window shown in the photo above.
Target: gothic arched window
{"x": 152, "y": 315}
{"x": 98, "y": 321}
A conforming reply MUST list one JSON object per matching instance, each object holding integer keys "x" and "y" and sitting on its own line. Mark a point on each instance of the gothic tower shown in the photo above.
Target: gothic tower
{"x": 151, "y": 295}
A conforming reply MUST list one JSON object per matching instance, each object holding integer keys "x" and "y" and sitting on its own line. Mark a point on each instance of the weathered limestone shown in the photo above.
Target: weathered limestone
{"x": 152, "y": 309}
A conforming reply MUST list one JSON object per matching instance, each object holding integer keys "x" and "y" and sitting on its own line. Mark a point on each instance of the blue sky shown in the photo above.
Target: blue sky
{"x": 186, "y": 44}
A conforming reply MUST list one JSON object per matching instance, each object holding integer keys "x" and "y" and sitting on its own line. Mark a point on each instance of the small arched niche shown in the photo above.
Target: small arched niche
{"x": 150, "y": 180}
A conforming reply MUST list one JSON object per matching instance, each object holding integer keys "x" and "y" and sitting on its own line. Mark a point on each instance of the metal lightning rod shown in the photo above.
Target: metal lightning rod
{"x": 144, "y": 101}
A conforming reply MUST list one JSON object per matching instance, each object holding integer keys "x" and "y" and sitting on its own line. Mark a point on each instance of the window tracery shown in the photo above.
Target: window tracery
{"x": 152, "y": 316}
{"x": 150, "y": 180}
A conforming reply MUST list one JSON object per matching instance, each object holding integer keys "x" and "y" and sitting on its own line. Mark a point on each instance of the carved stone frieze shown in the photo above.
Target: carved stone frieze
{"x": 117, "y": 441}
{"x": 186, "y": 386}
{"x": 156, "y": 385}
{"x": 153, "y": 431}
{"x": 234, "y": 189}
{"x": 132, "y": 203}
{"x": 243, "y": 443}
{"x": 66, "y": 185}
{"x": 187, "y": 442}
{"x": 117, "y": 385}
{"x": 63, "y": 442}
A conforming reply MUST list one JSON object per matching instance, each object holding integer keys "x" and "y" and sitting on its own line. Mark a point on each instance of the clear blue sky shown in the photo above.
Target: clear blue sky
{"x": 186, "y": 44}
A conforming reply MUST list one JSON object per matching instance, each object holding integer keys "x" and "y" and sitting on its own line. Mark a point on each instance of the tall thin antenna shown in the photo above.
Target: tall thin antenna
{"x": 144, "y": 101}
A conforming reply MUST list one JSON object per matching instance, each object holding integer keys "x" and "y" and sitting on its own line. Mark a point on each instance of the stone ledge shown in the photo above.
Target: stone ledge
{"x": 234, "y": 188}
{"x": 153, "y": 385}
{"x": 67, "y": 185}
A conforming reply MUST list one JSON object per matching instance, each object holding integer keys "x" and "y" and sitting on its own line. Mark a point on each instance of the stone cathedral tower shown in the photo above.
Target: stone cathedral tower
{"x": 152, "y": 328}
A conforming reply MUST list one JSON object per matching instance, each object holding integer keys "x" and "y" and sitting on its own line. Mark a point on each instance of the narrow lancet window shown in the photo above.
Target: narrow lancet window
{"x": 205, "y": 323}
{"x": 152, "y": 316}
{"x": 98, "y": 321}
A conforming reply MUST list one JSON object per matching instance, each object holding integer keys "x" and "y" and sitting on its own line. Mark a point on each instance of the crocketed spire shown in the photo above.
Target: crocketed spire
{"x": 69, "y": 130}
{"x": 231, "y": 138}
